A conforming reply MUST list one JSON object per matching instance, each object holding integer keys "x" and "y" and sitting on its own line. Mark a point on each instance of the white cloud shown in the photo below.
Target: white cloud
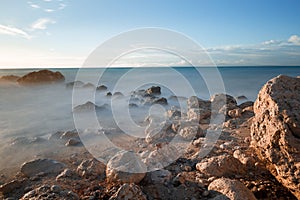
{"x": 61, "y": 6}
{"x": 42, "y": 23}
{"x": 295, "y": 39}
{"x": 8, "y": 30}
{"x": 49, "y": 10}
{"x": 34, "y": 6}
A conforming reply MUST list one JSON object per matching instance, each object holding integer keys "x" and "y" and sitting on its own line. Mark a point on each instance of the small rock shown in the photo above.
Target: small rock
{"x": 154, "y": 90}
{"x": 73, "y": 142}
{"x": 161, "y": 101}
{"x": 55, "y": 188}
{"x": 101, "y": 88}
{"x": 158, "y": 176}
{"x": 11, "y": 186}
{"x": 127, "y": 192}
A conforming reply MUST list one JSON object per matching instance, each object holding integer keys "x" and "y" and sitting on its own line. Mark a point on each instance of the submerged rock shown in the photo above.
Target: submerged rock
{"x": 74, "y": 84}
{"x": 233, "y": 189}
{"x": 88, "y": 106}
{"x": 47, "y": 166}
{"x": 41, "y": 77}
{"x": 275, "y": 131}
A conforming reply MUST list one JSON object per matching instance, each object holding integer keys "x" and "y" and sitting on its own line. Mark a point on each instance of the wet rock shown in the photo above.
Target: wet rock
{"x": 129, "y": 191}
{"x": 74, "y": 84}
{"x": 219, "y": 166}
{"x": 88, "y": 106}
{"x": 109, "y": 94}
{"x": 101, "y": 88}
{"x": 233, "y": 189}
{"x": 241, "y": 97}
{"x": 196, "y": 103}
{"x": 173, "y": 114}
{"x": 275, "y": 131}
{"x": 246, "y": 104}
{"x": 91, "y": 168}
{"x": 161, "y": 101}
{"x": 154, "y": 90}
{"x": 41, "y": 77}
{"x": 69, "y": 134}
{"x": 88, "y": 85}
{"x": 47, "y": 166}
{"x": 125, "y": 167}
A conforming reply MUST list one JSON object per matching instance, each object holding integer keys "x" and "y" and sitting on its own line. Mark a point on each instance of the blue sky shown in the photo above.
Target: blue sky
{"x": 62, "y": 33}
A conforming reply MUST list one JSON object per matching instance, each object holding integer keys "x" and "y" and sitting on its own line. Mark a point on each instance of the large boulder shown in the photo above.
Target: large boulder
{"x": 275, "y": 131}
{"x": 233, "y": 189}
{"x": 41, "y": 77}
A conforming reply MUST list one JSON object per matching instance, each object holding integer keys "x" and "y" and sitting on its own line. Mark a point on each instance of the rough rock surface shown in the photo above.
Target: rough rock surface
{"x": 125, "y": 167}
{"x": 41, "y": 77}
{"x": 154, "y": 90}
{"x": 129, "y": 191}
{"x": 9, "y": 78}
{"x": 233, "y": 189}
{"x": 223, "y": 165}
{"x": 46, "y": 166}
{"x": 275, "y": 130}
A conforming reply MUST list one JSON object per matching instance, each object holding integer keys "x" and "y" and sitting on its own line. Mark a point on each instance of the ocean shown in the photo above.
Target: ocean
{"x": 27, "y": 113}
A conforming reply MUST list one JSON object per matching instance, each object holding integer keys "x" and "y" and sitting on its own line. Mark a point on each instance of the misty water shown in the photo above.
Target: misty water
{"x": 29, "y": 115}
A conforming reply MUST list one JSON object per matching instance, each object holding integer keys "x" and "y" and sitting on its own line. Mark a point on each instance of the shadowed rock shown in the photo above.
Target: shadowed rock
{"x": 46, "y": 166}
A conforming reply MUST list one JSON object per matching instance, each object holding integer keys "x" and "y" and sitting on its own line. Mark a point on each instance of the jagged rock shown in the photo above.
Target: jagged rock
{"x": 9, "y": 78}
{"x": 246, "y": 104}
{"x": 156, "y": 132}
{"x": 46, "y": 166}
{"x": 129, "y": 191}
{"x": 101, "y": 88}
{"x": 233, "y": 189}
{"x": 67, "y": 173}
{"x": 91, "y": 168}
{"x": 198, "y": 114}
{"x": 191, "y": 132}
{"x": 41, "y": 77}
{"x": 154, "y": 90}
{"x": 109, "y": 94}
{"x": 50, "y": 192}
{"x": 219, "y": 166}
{"x": 235, "y": 113}
{"x": 74, "y": 84}
{"x": 275, "y": 131}
{"x": 125, "y": 167}
{"x": 173, "y": 114}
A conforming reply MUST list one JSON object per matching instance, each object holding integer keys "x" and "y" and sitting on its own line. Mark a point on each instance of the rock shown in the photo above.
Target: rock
{"x": 191, "y": 132}
{"x": 133, "y": 105}
{"x": 173, "y": 114}
{"x": 46, "y": 166}
{"x": 159, "y": 132}
{"x": 73, "y": 142}
{"x": 195, "y": 102}
{"x": 109, "y": 94}
{"x": 67, "y": 173}
{"x": 125, "y": 167}
{"x": 88, "y": 85}
{"x": 91, "y": 168}
{"x": 198, "y": 114}
{"x": 101, "y": 88}
{"x": 243, "y": 158}
{"x": 220, "y": 100}
{"x": 246, "y": 104}
{"x": 9, "y": 78}
{"x": 275, "y": 130}
{"x": 10, "y": 187}
{"x": 41, "y": 77}
{"x": 158, "y": 177}
{"x": 154, "y": 90}
{"x": 219, "y": 166}
{"x": 161, "y": 101}
{"x": 74, "y": 84}
{"x": 69, "y": 134}
{"x": 235, "y": 113}
{"x": 50, "y": 192}
{"x": 118, "y": 94}
{"x": 129, "y": 191}
{"x": 88, "y": 106}
{"x": 233, "y": 189}
{"x": 241, "y": 97}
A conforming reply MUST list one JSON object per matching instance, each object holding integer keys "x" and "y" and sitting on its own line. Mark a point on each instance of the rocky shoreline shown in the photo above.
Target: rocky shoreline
{"x": 256, "y": 155}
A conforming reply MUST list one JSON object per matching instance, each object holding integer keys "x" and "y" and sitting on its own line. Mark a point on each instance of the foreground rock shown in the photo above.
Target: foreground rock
{"x": 41, "y": 77}
{"x": 275, "y": 131}
{"x": 129, "y": 191}
{"x": 45, "y": 166}
{"x": 233, "y": 189}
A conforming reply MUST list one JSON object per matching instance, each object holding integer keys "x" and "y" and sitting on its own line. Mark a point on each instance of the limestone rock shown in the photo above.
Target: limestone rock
{"x": 275, "y": 131}
{"x": 158, "y": 177}
{"x": 195, "y": 102}
{"x": 91, "y": 168}
{"x": 41, "y": 77}
{"x": 11, "y": 186}
{"x": 223, "y": 165}
{"x": 220, "y": 100}
{"x": 129, "y": 191}
{"x": 37, "y": 166}
{"x": 233, "y": 189}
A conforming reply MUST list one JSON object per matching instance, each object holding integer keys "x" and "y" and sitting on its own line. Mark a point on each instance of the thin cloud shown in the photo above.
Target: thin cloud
{"x": 295, "y": 39}
{"x": 49, "y": 10}
{"x": 8, "y": 30}
{"x": 34, "y": 6}
{"x": 42, "y": 23}
{"x": 62, "y": 6}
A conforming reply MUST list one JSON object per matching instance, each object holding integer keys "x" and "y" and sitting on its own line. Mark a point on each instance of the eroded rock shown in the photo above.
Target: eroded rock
{"x": 46, "y": 166}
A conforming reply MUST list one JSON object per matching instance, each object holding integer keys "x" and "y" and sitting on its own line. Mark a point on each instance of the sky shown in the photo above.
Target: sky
{"x": 63, "y": 33}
